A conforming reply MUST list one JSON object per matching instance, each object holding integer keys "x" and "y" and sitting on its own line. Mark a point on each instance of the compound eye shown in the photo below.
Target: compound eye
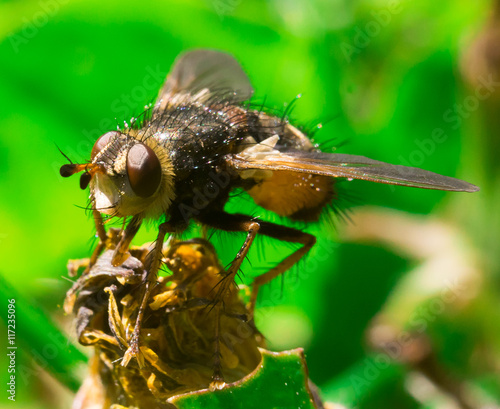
{"x": 144, "y": 170}
{"x": 102, "y": 142}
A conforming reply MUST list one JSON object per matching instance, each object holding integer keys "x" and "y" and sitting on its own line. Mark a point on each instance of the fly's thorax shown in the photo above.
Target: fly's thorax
{"x": 136, "y": 176}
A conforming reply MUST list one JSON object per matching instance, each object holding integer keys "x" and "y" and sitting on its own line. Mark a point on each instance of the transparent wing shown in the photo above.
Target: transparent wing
{"x": 212, "y": 70}
{"x": 350, "y": 167}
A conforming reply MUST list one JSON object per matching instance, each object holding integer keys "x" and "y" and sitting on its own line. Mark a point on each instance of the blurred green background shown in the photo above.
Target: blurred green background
{"x": 415, "y": 272}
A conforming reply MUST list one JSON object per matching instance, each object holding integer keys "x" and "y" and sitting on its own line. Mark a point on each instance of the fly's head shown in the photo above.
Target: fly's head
{"x": 126, "y": 176}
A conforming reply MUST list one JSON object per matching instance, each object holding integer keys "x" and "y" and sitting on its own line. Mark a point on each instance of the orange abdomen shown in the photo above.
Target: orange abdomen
{"x": 299, "y": 196}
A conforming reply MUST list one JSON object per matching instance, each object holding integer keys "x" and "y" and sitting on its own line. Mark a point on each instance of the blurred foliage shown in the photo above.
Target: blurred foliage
{"x": 383, "y": 77}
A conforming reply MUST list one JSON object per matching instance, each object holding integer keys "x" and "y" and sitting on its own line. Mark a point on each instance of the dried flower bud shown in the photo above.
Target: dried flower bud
{"x": 185, "y": 338}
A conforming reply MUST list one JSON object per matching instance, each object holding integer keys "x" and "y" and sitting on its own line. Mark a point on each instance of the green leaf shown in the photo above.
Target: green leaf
{"x": 279, "y": 381}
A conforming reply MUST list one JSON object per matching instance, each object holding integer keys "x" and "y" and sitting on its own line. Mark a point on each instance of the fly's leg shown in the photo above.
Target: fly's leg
{"x": 282, "y": 233}
{"x": 121, "y": 251}
{"x": 233, "y": 223}
{"x": 103, "y": 238}
{"x": 244, "y": 223}
{"x": 99, "y": 226}
{"x": 152, "y": 266}
{"x": 251, "y": 228}
{"x": 217, "y": 376}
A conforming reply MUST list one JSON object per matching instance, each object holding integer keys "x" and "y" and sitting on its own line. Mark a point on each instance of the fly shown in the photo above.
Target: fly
{"x": 196, "y": 144}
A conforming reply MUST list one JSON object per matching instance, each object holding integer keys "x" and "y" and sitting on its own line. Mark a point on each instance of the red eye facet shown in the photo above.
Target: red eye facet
{"x": 102, "y": 142}
{"x": 144, "y": 170}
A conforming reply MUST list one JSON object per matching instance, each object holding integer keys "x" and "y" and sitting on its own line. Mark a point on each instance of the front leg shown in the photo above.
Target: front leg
{"x": 121, "y": 251}
{"x": 152, "y": 265}
{"x": 103, "y": 239}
